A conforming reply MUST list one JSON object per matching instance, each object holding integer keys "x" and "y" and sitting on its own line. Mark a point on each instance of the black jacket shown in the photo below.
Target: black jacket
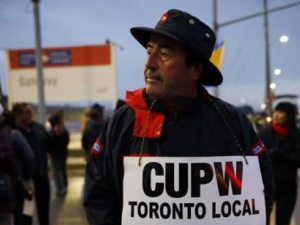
{"x": 200, "y": 123}
{"x": 7, "y": 171}
{"x": 58, "y": 146}
{"x": 90, "y": 134}
{"x": 24, "y": 155}
{"x": 285, "y": 154}
{"x": 38, "y": 139}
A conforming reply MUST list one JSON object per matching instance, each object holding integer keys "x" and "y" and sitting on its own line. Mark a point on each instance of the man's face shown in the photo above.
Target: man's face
{"x": 26, "y": 116}
{"x": 166, "y": 74}
{"x": 279, "y": 117}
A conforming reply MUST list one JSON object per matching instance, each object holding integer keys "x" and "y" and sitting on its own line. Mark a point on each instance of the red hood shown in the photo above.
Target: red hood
{"x": 147, "y": 123}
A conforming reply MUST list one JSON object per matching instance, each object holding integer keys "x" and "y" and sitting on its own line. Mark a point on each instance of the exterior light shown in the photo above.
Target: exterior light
{"x": 277, "y": 72}
{"x": 268, "y": 119}
{"x": 272, "y": 85}
{"x": 263, "y": 106}
{"x": 284, "y": 39}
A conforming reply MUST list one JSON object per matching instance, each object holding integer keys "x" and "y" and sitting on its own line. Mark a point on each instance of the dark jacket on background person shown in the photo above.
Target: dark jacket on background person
{"x": 7, "y": 170}
{"x": 38, "y": 139}
{"x": 58, "y": 144}
{"x": 25, "y": 163}
{"x": 195, "y": 127}
{"x": 90, "y": 134}
{"x": 58, "y": 149}
{"x": 285, "y": 154}
{"x": 24, "y": 155}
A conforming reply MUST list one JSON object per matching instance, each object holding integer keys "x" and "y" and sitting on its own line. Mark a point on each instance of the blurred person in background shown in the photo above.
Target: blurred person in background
{"x": 93, "y": 129}
{"x": 24, "y": 166}
{"x": 38, "y": 139}
{"x": 85, "y": 118}
{"x": 282, "y": 138}
{"x": 7, "y": 174}
{"x": 58, "y": 148}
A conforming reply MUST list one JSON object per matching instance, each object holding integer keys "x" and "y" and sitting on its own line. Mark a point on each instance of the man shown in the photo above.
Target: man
{"x": 24, "y": 160}
{"x": 38, "y": 139}
{"x": 155, "y": 161}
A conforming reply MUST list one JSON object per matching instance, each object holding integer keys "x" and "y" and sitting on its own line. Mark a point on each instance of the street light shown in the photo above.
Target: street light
{"x": 284, "y": 39}
{"x": 277, "y": 72}
{"x": 272, "y": 85}
{"x": 263, "y": 106}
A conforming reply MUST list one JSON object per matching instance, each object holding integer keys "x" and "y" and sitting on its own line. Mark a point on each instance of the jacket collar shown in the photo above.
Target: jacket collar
{"x": 149, "y": 123}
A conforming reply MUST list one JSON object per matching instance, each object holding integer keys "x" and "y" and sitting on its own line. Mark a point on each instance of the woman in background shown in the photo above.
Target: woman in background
{"x": 282, "y": 139}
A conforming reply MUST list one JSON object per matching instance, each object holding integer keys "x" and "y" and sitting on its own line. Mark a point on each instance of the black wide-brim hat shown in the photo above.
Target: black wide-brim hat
{"x": 195, "y": 35}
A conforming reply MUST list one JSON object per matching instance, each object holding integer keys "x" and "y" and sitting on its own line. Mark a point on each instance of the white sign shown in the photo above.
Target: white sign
{"x": 71, "y": 74}
{"x": 193, "y": 190}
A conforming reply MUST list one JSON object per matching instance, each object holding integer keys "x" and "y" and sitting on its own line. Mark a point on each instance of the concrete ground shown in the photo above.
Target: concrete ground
{"x": 68, "y": 210}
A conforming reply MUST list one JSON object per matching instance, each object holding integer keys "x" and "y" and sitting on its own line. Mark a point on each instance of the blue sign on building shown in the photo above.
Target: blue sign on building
{"x": 51, "y": 57}
{"x": 26, "y": 58}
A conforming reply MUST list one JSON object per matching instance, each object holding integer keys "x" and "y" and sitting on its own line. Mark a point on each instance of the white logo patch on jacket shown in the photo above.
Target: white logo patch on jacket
{"x": 98, "y": 147}
{"x": 258, "y": 148}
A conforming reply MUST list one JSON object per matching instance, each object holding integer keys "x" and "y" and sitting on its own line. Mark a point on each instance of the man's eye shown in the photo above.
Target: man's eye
{"x": 164, "y": 53}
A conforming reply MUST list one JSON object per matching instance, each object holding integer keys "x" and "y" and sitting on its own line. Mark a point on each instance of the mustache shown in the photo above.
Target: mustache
{"x": 154, "y": 76}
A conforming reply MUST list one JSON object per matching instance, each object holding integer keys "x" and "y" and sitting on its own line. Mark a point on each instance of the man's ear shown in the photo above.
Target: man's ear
{"x": 197, "y": 71}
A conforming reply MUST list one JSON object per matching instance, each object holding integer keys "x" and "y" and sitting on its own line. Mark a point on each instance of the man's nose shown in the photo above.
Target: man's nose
{"x": 151, "y": 62}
